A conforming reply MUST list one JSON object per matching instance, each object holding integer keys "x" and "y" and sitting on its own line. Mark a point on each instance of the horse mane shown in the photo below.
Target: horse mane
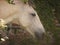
{"x": 30, "y": 2}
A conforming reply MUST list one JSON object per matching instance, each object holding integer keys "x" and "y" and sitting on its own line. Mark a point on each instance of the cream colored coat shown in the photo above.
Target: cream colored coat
{"x": 21, "y": 13}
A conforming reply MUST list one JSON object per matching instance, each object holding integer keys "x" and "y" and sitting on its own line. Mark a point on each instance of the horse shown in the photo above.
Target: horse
{"x": 24, "y": 14}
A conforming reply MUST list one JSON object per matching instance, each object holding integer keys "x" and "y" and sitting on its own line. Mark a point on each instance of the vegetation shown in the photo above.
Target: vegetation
{"x": 49, "y": 12}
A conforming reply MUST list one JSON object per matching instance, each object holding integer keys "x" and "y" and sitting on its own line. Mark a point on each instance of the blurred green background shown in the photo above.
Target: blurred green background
{"x": 49, "y": 12}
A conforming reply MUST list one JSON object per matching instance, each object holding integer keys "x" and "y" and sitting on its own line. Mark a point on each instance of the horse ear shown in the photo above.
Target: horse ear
{"x": 10, "y": 1}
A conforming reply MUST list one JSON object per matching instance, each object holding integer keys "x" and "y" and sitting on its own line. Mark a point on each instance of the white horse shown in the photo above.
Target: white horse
{"x": 22, "y": 13}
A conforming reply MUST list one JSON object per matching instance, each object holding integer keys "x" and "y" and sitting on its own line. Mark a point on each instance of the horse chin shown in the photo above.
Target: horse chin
{"x": 38, "y": 33}
{"x": 39, "y": 36}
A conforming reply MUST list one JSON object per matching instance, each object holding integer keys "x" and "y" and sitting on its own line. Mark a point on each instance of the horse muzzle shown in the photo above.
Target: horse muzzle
{"x": 39, "y": 34}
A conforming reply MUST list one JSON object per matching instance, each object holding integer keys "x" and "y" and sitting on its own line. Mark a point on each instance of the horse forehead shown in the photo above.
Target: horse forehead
{"x": 28, "y": 8}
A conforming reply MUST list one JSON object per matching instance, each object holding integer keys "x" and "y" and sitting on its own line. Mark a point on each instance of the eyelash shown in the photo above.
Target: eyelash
{"x": 33, "y": 14}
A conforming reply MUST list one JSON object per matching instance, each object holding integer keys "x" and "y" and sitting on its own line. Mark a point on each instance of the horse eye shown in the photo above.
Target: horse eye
{"x": 33, "y": 14}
